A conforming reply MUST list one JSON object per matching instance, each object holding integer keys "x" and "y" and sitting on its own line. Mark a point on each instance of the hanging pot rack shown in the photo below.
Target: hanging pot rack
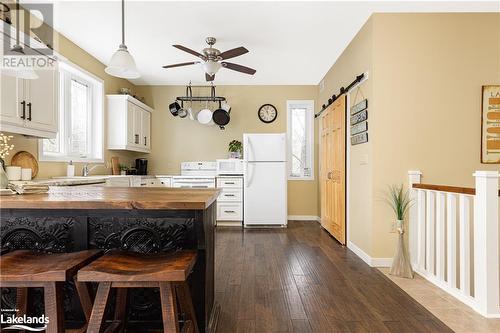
{"x": 190, "y": 98}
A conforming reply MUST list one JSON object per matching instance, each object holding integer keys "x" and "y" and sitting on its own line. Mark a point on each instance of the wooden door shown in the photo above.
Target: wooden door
{"x": 332, "y": 173}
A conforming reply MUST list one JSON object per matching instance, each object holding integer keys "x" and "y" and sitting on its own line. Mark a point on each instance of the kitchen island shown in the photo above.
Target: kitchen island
{"x": 144, "y": 220}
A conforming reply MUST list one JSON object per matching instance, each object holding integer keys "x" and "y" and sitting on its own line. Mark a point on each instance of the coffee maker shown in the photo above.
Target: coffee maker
{"x": 141, "y": 165}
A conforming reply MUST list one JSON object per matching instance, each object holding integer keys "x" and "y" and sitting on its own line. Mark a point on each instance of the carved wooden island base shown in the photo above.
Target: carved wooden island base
{"x": 143, "y": 220}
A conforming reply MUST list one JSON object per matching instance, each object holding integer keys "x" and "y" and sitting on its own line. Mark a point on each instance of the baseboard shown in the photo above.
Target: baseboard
{"x": 372, "y": 262}
{"x": 303, "y": 218}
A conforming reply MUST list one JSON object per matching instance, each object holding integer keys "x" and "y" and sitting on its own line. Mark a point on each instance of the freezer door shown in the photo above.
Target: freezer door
{"x": 264, "y": 147}
{"x": 265, "y": 193}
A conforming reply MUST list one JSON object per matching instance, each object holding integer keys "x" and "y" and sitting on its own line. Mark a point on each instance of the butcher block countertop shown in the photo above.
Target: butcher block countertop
{"x": 157, "y": 198}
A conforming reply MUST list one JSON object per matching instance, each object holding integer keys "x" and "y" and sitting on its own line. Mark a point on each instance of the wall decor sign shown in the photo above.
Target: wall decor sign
{"x": 490, "y": 124}
{"x": 358, "y": 128}
{"x": 359, "y": 117}
{"x": 359, "y": 107}
{"x": 359, "y": 138}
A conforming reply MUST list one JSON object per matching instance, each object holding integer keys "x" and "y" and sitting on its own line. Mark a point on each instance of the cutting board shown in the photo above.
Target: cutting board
{"x": 25, "y": 160}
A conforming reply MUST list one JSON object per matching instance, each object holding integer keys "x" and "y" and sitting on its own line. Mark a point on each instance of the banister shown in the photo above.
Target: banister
{"x": 446, "y": 188}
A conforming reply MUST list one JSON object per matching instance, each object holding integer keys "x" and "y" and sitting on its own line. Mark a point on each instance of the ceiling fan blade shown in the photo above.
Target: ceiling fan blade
{"x": 233, "y": 53}
{"x": 181, "y": 64}
{"x": 238, "y": 68}
{"x": 209, "y": 77}
{"x": 185, "y": 49}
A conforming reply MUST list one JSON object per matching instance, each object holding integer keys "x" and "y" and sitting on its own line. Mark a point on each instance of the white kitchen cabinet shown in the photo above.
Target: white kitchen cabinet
{"x": 230, "y": 201}
{"x": 30, "y": 107}
{"x": 129, "y": 124}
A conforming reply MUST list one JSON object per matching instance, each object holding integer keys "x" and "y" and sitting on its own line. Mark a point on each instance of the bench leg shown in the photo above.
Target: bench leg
{"x": 168, "y": 308}
{"x": 85, "y": 299}
{"x": 21, "y": 302}
{"x": 186, "y": 303}
{"x": 121, "y": 308}
{"x": 101, "y": 299}
{"x": 54, "y": 307}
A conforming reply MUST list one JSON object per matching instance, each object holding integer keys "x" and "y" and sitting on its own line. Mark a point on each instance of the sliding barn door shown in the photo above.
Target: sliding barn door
{"x": 332, "y": 174}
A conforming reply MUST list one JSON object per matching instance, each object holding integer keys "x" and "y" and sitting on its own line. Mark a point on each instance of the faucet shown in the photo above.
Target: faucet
{"x": 86, "y": 170}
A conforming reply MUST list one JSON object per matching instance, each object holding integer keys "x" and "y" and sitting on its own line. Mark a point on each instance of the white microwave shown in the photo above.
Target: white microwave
{"x": 230, "y": 166}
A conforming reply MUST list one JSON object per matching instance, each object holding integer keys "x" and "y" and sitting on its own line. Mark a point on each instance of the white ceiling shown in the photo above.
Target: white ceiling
{"x": 289, "y": 42}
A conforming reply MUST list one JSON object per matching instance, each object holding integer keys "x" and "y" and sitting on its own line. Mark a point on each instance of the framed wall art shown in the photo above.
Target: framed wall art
{"x": 490, "y": 124}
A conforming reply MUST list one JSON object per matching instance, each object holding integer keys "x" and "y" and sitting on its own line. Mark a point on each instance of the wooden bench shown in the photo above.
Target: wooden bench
{"x": 122, "y": 270}
{"x": 23, "y": 269}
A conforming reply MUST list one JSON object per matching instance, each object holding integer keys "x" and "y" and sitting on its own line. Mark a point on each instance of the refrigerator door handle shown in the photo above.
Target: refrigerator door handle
{"x": 250, "y": 150}
{"x": 249, "y": 176}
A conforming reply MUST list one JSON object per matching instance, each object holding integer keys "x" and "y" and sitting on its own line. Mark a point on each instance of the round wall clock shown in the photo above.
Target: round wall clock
{"x": 267, "y": 113}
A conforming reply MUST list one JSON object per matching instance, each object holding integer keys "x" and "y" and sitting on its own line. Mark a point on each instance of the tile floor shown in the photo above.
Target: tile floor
{"x": 456, "y": 315}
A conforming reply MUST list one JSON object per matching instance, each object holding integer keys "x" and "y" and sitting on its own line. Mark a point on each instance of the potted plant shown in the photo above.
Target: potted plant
{"x": 400, "y": 202}
{"x": 235, "y": 149}
{"x": 123, "y": 169}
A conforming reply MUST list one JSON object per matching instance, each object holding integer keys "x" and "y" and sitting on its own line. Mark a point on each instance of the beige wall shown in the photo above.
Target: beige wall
{"x": 356, "y": 59}
{"x": 429, "y": 69}
{"x": 175, "y": 140}
{"x": 111, "y": 85}
{"x": 424, "y": 92}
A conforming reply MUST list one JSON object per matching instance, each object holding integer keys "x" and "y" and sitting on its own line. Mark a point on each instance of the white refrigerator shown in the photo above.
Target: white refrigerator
{"x": 265, "y": 180}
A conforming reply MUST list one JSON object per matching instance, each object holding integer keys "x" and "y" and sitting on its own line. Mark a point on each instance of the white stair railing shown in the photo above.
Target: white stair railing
{"x": 454, "y": 239}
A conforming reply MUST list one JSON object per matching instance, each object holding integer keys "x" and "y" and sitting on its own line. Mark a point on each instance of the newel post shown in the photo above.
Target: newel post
{"x": 414, "y": 177}
{"x": 486, "y": 247}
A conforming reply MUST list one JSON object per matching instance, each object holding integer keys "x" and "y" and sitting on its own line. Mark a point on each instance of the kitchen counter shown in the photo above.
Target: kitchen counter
{"x": 143, "y": 220}
{"x": 158, "y": 198}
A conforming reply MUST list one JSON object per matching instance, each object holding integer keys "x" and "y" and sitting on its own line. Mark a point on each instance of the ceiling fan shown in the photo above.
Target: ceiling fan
{"x": 212, "y": 59}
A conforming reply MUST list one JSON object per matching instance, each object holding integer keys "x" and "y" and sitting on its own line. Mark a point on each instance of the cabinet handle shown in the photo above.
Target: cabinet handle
{"x": 229, "y": 211}
{"x": 136, "y": 139}
{"x": 229, "y": 195}
{"x": 229, "y": 183}
{"x": 145, "y": 140}
{"x": 23, "y": 103}
{"x": 29, "y": 111}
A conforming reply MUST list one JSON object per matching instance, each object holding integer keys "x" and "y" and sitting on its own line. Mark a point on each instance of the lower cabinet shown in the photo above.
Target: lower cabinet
{"x": 230, "y": 201}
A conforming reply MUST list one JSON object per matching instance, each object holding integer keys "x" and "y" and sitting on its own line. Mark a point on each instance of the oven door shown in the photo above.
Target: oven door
{"x": 193, "y": 183}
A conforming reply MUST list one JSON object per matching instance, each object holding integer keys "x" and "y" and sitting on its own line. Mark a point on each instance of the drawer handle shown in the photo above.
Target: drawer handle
{"x": 229, "y": 195}
{"x": 229, "y": 211}
{"x": 229, "y": 183}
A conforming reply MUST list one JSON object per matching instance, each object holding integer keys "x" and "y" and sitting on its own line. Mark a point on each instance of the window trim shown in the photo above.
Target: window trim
{"x": 309, "y": 105}
{"x": 97, "y": 103}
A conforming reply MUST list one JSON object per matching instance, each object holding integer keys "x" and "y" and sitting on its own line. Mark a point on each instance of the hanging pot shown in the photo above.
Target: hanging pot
{"x": 174, "y": 108}
{"x": 205, "y": 116}
{"x": 182, "y": 112}
{"x": 221, "y": 115}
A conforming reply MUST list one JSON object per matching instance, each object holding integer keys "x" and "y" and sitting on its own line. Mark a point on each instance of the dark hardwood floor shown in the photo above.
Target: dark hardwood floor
{"x": 300, "y": 279}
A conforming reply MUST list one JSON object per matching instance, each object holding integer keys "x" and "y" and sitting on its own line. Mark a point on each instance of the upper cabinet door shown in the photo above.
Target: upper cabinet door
{"x": 41, "y": 101}
{"x": 12, "y": 96}
{"x": 146, "y": 129}
{"x": 130, "y": 124}
{"x": 138, "y": 141}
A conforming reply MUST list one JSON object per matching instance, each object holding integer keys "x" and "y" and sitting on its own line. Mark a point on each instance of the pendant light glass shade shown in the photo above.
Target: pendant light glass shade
{"x": 122, "y": 64}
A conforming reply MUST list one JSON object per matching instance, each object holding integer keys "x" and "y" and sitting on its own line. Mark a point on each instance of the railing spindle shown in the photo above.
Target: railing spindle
{"x": 421, "y": 229}
{"x": 430, "y": 232}
{"x": 451, "y": 237}
{"x": 440, "y": 235}
{"x": 464, "y": 235}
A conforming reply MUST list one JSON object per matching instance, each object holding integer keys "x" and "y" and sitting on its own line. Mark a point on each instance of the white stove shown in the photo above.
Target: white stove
{"x": 196, "y": 175}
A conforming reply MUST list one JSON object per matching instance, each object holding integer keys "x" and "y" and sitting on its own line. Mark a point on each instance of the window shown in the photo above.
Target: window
{"x": 80, "y": 135}
{"x": 300, "y": 131}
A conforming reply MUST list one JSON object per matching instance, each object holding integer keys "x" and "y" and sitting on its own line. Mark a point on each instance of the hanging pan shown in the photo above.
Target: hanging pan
{"x": 221, "y": 115}
{"x": 174, "y": 108}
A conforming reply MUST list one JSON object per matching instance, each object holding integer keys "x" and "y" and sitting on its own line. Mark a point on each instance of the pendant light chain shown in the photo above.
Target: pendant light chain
{"x": 17, "y": 22}
{"x": 123, "y": 22}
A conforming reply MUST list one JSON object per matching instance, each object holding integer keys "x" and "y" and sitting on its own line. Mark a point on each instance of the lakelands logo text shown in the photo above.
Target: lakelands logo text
{"x": 24, "y": 323}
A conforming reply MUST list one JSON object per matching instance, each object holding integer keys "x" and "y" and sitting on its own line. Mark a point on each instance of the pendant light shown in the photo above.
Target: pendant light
{"x": 122, "y": 64}
{"x": 24, "y": 72}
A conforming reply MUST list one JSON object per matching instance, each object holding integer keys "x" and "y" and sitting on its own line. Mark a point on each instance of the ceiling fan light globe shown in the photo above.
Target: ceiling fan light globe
{"x": 122, "y": 65}
{"x": 211, "y": 67}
